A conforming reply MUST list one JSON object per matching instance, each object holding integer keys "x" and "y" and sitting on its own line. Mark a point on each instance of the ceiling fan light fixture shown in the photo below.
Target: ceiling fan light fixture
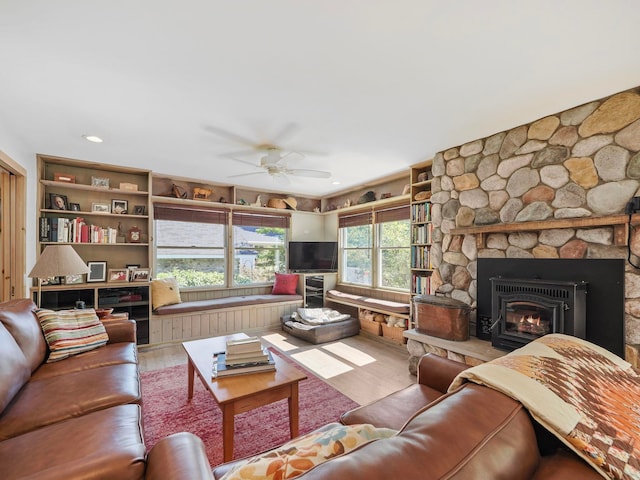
{"x": 92, "y": 138}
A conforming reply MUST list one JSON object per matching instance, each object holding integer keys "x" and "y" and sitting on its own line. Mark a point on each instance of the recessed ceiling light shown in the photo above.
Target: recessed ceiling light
{"x": 335, "y": 182}
{"x": 92, "y": 138}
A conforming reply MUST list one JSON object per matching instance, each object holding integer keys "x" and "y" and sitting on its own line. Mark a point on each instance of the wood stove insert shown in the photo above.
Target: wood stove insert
{"x": 525, "y": 309}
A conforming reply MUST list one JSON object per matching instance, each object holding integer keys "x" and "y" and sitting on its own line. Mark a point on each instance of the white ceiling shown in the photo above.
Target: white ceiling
{"x": 367, "y": 87}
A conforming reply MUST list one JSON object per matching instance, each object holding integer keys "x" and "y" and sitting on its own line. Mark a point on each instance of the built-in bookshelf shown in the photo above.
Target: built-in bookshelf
{"x": 102, "y": 211}
{"x": 421, "y": 228}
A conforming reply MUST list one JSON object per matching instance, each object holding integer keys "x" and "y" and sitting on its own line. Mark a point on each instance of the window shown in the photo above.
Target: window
{"x": 191, "y": 245}
{"x": 394, "y": 247}
{"x": 356, "y": 247}
{"x": 376, "y": 248}
{"x": 259, "y": 246}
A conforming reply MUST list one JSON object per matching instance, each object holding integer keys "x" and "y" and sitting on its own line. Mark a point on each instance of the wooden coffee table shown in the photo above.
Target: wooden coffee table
{"x": 241, "y": 393}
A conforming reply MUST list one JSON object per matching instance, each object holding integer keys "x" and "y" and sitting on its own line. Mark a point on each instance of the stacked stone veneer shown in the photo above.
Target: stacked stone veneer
{"x": 582, "y": 162}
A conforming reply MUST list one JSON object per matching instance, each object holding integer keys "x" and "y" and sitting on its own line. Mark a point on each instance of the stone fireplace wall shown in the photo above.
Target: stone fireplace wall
{"x": 577, "y": 164}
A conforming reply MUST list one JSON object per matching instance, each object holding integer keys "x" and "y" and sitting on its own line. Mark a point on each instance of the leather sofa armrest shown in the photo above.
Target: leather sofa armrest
{"x": 120, "y": 330}
{"x": 180, "y": 456}
{"x": 438, "y": 372}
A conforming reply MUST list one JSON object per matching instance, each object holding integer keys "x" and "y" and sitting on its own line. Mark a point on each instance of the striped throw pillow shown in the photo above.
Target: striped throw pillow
{"x": 69, "y": 332}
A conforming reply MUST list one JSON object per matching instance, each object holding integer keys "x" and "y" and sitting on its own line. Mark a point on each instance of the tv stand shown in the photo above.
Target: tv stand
{"x": 313, "y": 287}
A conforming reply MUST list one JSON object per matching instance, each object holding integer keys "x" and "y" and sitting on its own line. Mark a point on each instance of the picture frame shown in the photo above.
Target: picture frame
{"x": 140, "y": 274}
{"x": 74, "y": 207}
{"x": 119, "y": 206}
{"x": 118, "y": 275}
{"x": 73, "y": 279}
{"x": 64, "y": 177}
{"x": 101, "y": 182}
{"x": 140, "y": 210}
{"x": 98, "y": 207}
{"x": 131, "y": 268}
{"x": 97, "y": 271}
{"x": 51, "y": 281}
{"x": 58, "y": 202}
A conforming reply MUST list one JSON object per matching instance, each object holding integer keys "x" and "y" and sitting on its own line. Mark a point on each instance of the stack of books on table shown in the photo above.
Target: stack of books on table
{"x": 243, "y": 356}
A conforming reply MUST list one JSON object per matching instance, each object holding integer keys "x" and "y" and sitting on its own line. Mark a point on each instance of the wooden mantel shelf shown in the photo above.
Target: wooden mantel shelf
{"x": 620, "y": 225}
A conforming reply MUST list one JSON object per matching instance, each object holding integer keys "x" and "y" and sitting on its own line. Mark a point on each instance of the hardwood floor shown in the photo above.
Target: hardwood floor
{"x": 362, "y": 367}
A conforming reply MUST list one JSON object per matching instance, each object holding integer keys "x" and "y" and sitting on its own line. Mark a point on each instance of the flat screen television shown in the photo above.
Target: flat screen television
{"x": 313, "y": 256}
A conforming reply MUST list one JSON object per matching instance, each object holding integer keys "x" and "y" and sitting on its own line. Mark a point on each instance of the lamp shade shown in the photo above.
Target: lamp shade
{"x": 58, "y": 261}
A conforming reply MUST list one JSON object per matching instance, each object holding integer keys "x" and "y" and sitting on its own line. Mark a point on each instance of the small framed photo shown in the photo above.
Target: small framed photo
{"x": 97, "y": 271}
{"x": 119, "y": 206}
{"x": 140, "y": 210}
{"x": 51, "y": 281}
{"x": 74, "y": 207}
{"x": 57, "y": 201}
{"x": 100, "y": 207}
{"x": 101, "y": 182}
{"x": 64, "y": 177}
{"x": 140, "y": 275}
{"x": 73, "y": 279}
{"x": 118, "y": 275}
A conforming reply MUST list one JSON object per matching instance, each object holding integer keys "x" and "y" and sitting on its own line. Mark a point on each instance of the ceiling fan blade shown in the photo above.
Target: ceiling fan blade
{"x": 229, "y": 135}
{"x": 301, "y": 172}
{"x": 244, "y": 161}
{"x": 280, "y": 178}
{"x": 292, "y": 156}
{"x": 248, "y": 174}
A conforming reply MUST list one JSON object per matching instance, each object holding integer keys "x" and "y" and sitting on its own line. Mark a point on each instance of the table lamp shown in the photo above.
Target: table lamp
{"x": 57, "y": 261}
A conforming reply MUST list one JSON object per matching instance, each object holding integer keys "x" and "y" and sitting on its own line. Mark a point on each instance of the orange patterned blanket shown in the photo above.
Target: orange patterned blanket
{"x": 583, "y": 394}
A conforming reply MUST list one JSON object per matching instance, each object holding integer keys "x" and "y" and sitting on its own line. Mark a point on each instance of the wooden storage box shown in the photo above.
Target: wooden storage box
{"x": 442, "y": 317}
{"x": 368, "y": 324}
{"x": 394, "y": 334}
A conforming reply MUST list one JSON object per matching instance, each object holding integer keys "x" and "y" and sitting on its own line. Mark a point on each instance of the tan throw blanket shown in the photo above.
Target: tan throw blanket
{"x": 585, "y": 395}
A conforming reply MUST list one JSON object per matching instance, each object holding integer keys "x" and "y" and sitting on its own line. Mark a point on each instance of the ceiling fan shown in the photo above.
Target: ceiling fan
{"x": 274, "y": 160}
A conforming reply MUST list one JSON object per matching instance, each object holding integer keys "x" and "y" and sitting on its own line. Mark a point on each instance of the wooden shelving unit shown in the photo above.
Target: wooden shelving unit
{"x": 89, "y": 223}
{"x": 421, "y": 229}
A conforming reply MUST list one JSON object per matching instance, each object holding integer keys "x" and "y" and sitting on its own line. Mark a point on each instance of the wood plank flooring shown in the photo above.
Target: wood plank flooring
{"x": 362, "y": 367}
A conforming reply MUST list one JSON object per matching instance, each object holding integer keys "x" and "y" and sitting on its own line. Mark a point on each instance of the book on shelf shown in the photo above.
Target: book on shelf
{"x": 245, "y": 345}
{"x": 222, "y": 369}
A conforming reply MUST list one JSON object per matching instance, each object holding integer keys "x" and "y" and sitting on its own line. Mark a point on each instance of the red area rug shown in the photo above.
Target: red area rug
{"x": 166, "y": 411}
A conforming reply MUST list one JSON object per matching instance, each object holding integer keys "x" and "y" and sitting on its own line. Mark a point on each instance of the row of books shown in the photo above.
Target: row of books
{"x": 243, "y": 356}
{"x": 76, "y": 230}
{"x": 421, "y": 212}
{"x": 420, "y": 257}
{"x": 422, "y": 233}
{"x": 421, "y": 284}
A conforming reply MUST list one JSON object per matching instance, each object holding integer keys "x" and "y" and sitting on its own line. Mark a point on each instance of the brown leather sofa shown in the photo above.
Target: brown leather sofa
{"x": 473, "y": 432}
{"x": 79, "y": 417}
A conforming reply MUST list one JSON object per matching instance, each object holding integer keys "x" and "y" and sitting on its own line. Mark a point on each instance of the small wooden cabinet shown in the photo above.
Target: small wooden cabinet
{"x": 131, "y": 298}
{"x": 314, "y": 286}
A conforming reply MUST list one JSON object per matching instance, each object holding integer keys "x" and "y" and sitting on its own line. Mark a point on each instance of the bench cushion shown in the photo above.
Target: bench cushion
{"x": 370, "y": 303}
{"x": 225, "y": 302}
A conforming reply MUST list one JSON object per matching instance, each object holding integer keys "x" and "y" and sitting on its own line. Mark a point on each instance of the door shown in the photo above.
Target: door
{"x": 12, "y": 232}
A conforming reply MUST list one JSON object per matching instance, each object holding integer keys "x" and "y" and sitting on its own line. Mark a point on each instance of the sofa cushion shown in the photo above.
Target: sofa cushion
{"x": 165, "y": 291}
{"x": 14, "y": 368}
{"x": 110, "y": 354}
{"x": 69, "y": 332}
{"x": 473, "y": 433}
{"x": 55, "y": 399}
{"x": 18, "y": 316}
{"x": 305, "y": 452}
{"x": 285, "y": 284}
{"x": 107, "y": 444}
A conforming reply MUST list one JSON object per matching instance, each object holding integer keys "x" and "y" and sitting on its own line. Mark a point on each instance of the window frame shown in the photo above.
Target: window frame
{"x": 374, "y": 217}
{"x": 230, "y": 218}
